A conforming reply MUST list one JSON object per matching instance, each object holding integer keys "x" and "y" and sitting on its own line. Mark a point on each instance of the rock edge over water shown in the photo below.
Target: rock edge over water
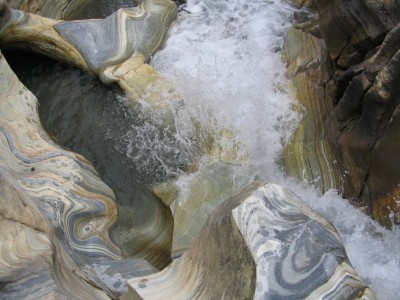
{"x": 58, "y": 213}
{"x": 344, "y": 65}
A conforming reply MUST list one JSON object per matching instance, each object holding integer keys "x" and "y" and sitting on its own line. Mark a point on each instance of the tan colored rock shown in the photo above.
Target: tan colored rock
{"x": 54, "y": 208}
{"x": 310, "y": 153}
{"x": 195, "y": 199}
{"x": 259, "y": 244}
{"x": 55, "y": 9}
{"x": 115, "y": 49}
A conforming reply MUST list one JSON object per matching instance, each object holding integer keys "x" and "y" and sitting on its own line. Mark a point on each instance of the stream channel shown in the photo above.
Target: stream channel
{"x": 224, "y": 59}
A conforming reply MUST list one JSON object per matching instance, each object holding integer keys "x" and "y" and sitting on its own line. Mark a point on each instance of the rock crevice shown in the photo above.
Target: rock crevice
{"x": 352, "y": 113}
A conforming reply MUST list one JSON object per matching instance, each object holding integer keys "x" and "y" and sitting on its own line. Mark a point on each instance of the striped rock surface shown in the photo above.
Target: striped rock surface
{"x": 71, "y": 9}
{"x": 48, "y": 8}
{"x": 59, "y": 216}
{"x": 52, "y": 202}
{"x": 344, "y": 63}
{"x": 115, "y": 49}
{"x": 264, "y": 243}
{"x": 56, "y": 213}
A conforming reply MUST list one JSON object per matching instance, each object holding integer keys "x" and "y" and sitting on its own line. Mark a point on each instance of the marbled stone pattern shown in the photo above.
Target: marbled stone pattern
{"x": 52, "y": 203}
{"x": 114, "y": 39}
{"x": 55, "y": 9}
{"x": 105, "y": 47}
{"x": 63, "y": 185}
{"x": 350, "y": 91}
{"x": 297, "y": 252}
{"x": 56, "y": 213}
{"x": 116, "y": 49}
{"x": 294, "y": 254}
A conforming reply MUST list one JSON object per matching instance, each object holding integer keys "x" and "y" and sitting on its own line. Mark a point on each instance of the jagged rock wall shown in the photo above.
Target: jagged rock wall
{"x": 349, "y": 89}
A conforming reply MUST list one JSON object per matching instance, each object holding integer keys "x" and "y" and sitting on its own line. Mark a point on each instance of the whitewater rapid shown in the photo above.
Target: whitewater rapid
{"x": 225, "y": 59}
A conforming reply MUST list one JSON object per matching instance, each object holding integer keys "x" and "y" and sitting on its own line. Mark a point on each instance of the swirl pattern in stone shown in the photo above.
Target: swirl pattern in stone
{"x": 262, "y": 243}
{"x": 115, "y": 48}
{"x": 284, "y": 250}
{"x": 56, "y": 212}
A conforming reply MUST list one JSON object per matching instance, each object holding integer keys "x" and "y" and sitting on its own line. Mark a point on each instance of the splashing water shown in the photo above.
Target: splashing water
{"x": 223, "y": 57}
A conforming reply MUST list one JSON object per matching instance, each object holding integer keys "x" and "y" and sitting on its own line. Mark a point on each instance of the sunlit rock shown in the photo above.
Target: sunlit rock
{"x": 344, "y": 68}
{"x": 264, "y": 243}
{"x": 57, "y": 214}
{"x": 195, "y": 197}
{"x": 54, "y": 9}
{"x": 52, "y": 202}
{"x": 115, "y": 48}
{"x": 309, "y": 154}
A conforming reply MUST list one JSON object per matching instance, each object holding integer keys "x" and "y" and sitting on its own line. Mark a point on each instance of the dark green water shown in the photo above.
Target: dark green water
{"x": 129, "y": 150}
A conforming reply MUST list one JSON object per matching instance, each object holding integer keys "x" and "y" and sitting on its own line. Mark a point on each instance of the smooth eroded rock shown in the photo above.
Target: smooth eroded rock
{"x": 56, "y": 213}
{"x": 263, "y": 243}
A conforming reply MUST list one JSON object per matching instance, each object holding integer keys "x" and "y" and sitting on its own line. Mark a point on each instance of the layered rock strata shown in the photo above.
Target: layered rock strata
{"x": 48, "y": 8}
{"x": 74, "y": 9}
{"x": 344, "y": 66}
{"x": 52, "y": 204}
{"x": 263, "y": 243}
{"x": 59, "y": 216}
{"x": 115, "y": 49}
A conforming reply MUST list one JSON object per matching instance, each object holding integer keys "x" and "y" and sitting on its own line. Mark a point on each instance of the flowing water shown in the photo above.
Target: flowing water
{"x": 224, "y": 59}
{"x": 225, "y": 55}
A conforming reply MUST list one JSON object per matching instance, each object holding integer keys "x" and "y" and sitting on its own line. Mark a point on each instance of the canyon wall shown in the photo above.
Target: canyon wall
{"x": 343, "y": 59}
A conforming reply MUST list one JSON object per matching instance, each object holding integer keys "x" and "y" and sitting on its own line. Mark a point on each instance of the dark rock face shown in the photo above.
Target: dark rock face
{"x": 362, "y": 40}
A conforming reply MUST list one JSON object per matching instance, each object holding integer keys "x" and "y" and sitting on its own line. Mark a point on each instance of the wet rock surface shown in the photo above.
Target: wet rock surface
{"x": 350, "y": 91}
{"x": 263, "y": 243}
{"x": 234, "y": 239}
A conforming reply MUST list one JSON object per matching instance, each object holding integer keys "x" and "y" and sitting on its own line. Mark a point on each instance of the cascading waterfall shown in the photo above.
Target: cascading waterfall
{"x": 225, "y": 61}
{"x": 224, "y": 57}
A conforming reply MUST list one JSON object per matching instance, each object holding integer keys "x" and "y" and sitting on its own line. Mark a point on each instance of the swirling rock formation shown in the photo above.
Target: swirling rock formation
{"x": 52, "y": 203}
{"x": 115, "y": 48}
{"x": 263, "y": 243}
{"x": 47, "y": 8}
{"x": 56, "y": 213}
{"x": 70, "y": 9}
{"x": 344, "y": 67}
{"x": 59, "y": 218}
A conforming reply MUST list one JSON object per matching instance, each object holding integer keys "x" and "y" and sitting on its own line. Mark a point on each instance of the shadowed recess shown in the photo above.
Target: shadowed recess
{"x": 80, "y": 113}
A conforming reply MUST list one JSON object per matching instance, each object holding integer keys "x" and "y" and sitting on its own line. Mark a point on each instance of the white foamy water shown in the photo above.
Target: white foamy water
{"x": 224, "y": 57}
